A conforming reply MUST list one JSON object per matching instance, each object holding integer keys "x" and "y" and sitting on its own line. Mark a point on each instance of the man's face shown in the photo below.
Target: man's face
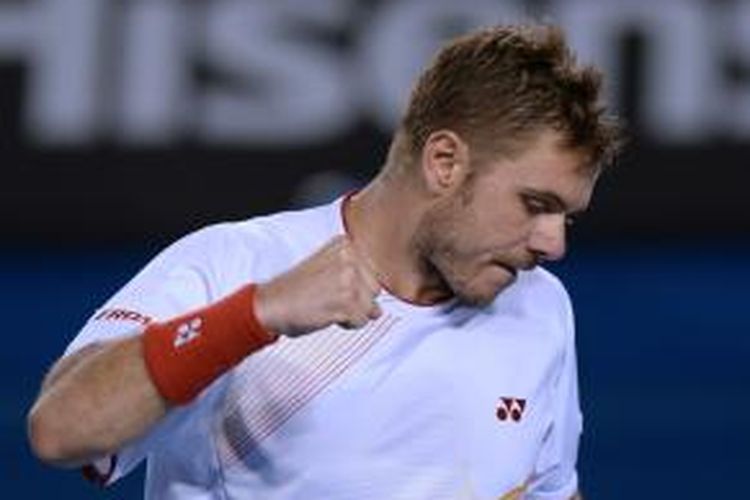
{"x": 510, "y": 216}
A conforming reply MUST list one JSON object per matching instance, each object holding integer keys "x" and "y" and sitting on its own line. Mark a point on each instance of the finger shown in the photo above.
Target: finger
{"x": 338, "y": 240}
{"x": 369, "y": 307}
{"x": 367, "y": 300}
{"x": 331, "y": 247}
{"x": 375, "y": 311}
{"x": 354, "y": 322}
{"x": 369, "y": 280}
{"x": 366, "y": 270}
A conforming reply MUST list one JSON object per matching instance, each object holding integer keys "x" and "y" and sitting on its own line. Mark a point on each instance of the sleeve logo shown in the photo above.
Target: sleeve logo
{"x": 122, "y": 315}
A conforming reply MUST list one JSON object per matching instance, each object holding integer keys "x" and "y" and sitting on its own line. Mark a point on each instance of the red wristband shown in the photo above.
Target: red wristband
{"x": 185, "y": 354}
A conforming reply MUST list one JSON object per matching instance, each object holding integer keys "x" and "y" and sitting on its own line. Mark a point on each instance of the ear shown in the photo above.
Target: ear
{"x": 445, "y": 161}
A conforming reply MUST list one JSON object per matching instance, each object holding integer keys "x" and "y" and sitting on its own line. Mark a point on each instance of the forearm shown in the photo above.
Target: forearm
{"x": 91, "y": 406}
{"x": 94, "y": 402}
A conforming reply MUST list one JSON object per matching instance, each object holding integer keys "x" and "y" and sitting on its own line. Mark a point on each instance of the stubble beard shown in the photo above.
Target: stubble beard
{"x": 437, "y": 245}
{"x": 444, "y": 267}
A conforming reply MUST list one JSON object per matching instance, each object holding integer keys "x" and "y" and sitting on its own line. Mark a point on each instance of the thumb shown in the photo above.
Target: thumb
{"x": 375, "y": 311}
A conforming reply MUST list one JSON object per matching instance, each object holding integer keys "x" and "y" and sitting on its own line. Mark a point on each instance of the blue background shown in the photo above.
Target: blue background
{"x": 664, "y": 355}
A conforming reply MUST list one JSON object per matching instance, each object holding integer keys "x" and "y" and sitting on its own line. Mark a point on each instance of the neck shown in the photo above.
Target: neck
{"x": 382, "y": 220}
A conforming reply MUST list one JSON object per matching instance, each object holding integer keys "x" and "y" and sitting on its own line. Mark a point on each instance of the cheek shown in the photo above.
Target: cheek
{"x": 492, "y": 234}
{"x": 464, "y": 238}
{"x": 445, "y": 241}
{"x": 471, "y": 234}
{"x": 465, "y": 252}
{"x": 494, "y": 219}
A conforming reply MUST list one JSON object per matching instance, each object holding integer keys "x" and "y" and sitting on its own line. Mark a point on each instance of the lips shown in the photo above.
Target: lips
{"x": 512, "y": 270}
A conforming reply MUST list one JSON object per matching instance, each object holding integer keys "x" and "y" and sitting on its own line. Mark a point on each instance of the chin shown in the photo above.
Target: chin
{"x": 481, "y": 296}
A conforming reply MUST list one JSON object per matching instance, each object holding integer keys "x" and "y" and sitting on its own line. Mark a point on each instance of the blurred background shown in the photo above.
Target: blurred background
{"x": 125, "y": 124}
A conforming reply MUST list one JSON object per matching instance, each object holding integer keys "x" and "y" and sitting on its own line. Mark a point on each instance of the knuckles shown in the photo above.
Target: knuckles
{"x": 332, "y": 288}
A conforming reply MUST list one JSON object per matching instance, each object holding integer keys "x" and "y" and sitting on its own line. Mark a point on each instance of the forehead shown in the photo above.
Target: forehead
{"x": 545, "y": 164}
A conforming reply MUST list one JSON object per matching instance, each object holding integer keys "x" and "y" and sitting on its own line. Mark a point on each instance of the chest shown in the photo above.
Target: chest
{"x": 453, "y": 404}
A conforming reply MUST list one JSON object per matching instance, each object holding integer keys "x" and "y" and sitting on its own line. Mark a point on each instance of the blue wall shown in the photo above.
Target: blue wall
{"x": 664, "y": 354}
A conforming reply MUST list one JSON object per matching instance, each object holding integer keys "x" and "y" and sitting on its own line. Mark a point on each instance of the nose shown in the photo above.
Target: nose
{"x": 547, "y": 238}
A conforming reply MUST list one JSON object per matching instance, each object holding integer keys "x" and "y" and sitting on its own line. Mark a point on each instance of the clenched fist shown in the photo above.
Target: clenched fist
{"x": 334, "y": 285}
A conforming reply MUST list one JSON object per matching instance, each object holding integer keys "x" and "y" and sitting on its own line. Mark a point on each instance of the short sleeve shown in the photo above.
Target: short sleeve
{"x": 107, "y": 470}
{"x": 179, "y": 279}
{"x": 555, "y": 476}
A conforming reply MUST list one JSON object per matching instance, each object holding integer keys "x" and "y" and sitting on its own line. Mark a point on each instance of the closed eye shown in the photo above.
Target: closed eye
{"x": 537, "y": 205}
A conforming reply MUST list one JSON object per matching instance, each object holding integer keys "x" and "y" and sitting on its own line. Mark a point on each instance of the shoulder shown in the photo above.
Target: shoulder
{"x": 253, "y": 249}
{"x": 289, "y": 235}
{"x": 538, "y": 298}
{"x": 544, "y": 288}
{"x": 280, "y": 232}
{"x": 303, "y": 228}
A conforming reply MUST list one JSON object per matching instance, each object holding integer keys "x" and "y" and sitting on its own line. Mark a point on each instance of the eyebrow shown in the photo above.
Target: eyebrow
{"x": 555, "y": 200}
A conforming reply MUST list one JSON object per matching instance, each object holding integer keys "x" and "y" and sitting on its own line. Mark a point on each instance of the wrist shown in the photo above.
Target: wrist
{"x": 186, "y": 354}
{"x": 267, "y": 311}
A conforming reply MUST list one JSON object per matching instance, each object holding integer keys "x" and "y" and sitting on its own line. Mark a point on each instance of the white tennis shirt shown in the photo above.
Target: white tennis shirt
{"x": 440, "y": 402}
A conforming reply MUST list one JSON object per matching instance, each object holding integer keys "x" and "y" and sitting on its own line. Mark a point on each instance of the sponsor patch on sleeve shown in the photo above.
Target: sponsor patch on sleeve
{"x": 122, "y": 315}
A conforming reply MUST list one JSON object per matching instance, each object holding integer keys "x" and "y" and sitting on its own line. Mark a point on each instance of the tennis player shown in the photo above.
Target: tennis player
{"x": 402, "y": 342}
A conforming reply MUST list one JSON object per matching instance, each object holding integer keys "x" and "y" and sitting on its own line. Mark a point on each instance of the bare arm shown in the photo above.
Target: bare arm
{"x": 92, "y": 402}
{"x": 96, "y": 400}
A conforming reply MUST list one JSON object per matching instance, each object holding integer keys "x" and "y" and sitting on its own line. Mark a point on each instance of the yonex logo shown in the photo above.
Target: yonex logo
{"x": 187, "y": 332}
{"x": 510, "y": 408}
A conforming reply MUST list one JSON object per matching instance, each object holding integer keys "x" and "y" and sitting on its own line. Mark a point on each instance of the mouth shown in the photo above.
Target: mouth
{"x": 511, "y": 270}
